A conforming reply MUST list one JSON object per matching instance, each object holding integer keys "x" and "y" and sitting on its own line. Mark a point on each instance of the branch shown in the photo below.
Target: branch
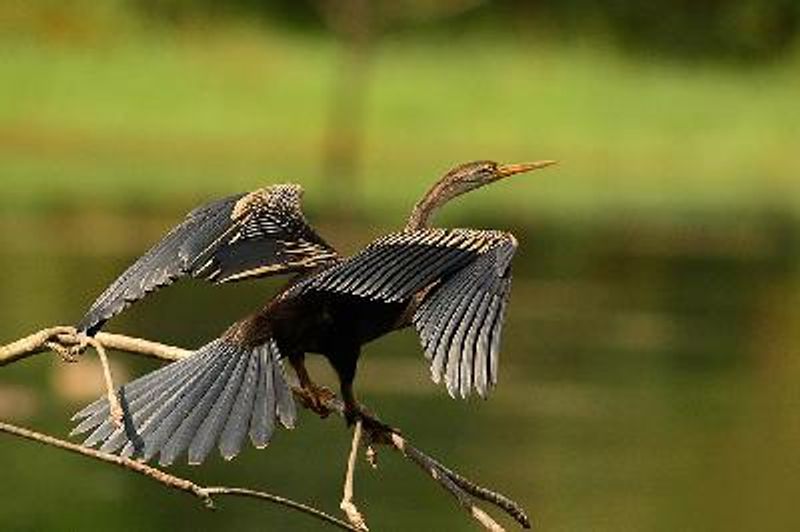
{"x": 347, "y": 505}
{"x": 205, "y": 494}
{"x": 461, "y": 491}
{"x": 68, "y": 337}
{"x": 31, "y": 345}
{"x": 457, "y": 485}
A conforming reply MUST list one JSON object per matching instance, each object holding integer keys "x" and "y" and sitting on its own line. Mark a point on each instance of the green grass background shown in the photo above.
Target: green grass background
{"x": 146, "y": 118}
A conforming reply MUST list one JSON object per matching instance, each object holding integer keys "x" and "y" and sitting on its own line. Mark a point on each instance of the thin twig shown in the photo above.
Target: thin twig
{"x": 277, "y": 499}
{"x": 30, "y": 345}
{"x": 132, "y": 465}
{"x": 115, "y": 409}
{"x": 140, "y": 346}
{"x": 347, "y": 505}
{"x": 498, "y": 499}
{"x": 430, "y": 466}
{"x": 67, "y": 337}
{"x": 205, "y": 494}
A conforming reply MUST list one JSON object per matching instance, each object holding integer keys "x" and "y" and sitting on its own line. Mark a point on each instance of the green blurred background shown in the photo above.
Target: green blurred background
{"x": 650, "y": 373}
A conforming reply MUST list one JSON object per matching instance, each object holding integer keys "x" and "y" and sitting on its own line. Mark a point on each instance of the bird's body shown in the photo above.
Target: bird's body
{"x": 451, "y": 284}
{"x": 332, "y": 325}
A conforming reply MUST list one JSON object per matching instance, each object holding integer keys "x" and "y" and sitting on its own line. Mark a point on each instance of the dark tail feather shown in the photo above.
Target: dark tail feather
{"x": 217, "y": 395}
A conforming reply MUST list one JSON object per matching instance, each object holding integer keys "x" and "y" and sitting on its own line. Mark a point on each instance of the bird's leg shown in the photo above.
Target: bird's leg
{"x": 312, "y": 396}
{"x": 345, "y": 362}
{"x": 355, "y": 411}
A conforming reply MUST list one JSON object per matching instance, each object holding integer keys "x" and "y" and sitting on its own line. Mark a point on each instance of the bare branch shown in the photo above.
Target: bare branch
{"x": 347, "y": 505}
{"x": 139, "y": 346}
{"x": 205, "y": 494}
{"x": 30, "y": 345}
{"x": 132, "y": 465}
{"x": 498, "y": 499}
{"x": 443, "y": 477}
{"x": 277, "y": 499}
{"x": 68, "y": 337}
{"x": 115, "y": 410}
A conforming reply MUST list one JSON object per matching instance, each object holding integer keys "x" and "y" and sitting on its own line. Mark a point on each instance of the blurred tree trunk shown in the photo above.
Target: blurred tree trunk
{"x": 356, "y": 26}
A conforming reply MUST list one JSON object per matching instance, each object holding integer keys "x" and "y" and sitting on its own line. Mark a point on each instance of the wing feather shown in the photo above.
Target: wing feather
{"x": 446, "y": 357}
{"x": 460, "y": 379}
{"x": 175, "y": 431}
{"x": 457, "y": 283}
{"x": 214, "y": 396}
{"x": 471, "y": 344}
{"x": 461, "y": 322}
{"x": 203, "y": 440}
{"x": 242, "y": 236}
{"x": 262, "y": 422}
{"x": 230, "y": 442}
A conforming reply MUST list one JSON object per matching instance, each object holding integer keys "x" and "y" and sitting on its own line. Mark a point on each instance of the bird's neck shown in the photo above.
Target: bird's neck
{"x": 423, "y": 211}
{"x": 419, "y": 217}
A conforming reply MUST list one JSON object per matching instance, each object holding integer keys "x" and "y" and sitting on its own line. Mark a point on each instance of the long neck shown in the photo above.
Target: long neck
{"x": 439, "y": 194}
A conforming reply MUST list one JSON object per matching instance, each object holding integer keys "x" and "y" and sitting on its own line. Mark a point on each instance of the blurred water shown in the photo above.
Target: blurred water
{"x": 648, "y": 382}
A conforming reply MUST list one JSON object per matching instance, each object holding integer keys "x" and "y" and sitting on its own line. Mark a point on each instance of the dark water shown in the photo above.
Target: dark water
{"x": 649, "y": 381}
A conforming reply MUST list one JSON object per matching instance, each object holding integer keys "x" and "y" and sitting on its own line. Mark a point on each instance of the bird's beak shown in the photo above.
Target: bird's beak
{"x": 505, "y": 170}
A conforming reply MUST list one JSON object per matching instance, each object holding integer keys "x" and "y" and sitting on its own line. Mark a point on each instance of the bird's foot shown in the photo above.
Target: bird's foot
{"x": 75, "y": 351}
{"x": 317, "y": 398}
{"x": 66, "y": 342}
{"x": 376, "y": 428}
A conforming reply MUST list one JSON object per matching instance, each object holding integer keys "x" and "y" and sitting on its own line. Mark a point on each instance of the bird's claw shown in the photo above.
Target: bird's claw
{"x": 80, "y": 347}
{"x": 317, "y": 399}
{"x": 374, "y": 427}
{"x": 67, "y": 354}
{"x": 72, "y": 353}
{"x": 66, "y": 342}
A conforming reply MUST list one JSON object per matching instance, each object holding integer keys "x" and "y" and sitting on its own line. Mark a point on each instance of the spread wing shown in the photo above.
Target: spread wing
{"x": 457, "y": 280}
{"x": 242, "y": 236}
{"x": 216, "y": 396}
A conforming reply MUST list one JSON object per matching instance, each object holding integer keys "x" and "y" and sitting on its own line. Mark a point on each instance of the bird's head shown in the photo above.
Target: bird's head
{"x": 462, "y": 179}
{"x": 475, "y": 174}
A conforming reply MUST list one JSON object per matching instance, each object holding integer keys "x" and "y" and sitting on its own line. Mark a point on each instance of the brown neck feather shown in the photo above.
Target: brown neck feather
{"x": 438, "y": 195}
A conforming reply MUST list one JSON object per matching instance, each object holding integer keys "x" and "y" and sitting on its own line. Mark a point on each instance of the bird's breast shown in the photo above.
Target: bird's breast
{"x": 320, "y": 323}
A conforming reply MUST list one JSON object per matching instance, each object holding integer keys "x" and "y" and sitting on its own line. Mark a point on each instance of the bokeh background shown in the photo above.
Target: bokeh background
{"x": 650, "y": 369}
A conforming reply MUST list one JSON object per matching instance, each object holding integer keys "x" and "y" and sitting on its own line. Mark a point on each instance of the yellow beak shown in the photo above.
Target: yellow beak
{"x": 505, "y": 170}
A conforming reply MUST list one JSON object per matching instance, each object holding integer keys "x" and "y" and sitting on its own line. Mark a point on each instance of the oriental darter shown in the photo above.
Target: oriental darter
{"x": 452, "y": 285}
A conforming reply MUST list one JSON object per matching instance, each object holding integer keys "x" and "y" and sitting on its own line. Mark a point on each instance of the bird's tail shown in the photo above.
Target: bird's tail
{"x": 220, "y": 393}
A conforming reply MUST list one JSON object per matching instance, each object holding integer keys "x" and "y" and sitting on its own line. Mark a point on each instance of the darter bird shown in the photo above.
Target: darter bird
{"x": 452, "y": 285}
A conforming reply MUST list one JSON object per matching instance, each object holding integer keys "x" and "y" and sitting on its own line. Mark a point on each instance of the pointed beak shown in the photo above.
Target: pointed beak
{"x": 505, "y": 170}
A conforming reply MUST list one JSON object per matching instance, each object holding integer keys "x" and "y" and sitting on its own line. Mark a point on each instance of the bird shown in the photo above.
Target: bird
{"x": 451, "y": 284}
